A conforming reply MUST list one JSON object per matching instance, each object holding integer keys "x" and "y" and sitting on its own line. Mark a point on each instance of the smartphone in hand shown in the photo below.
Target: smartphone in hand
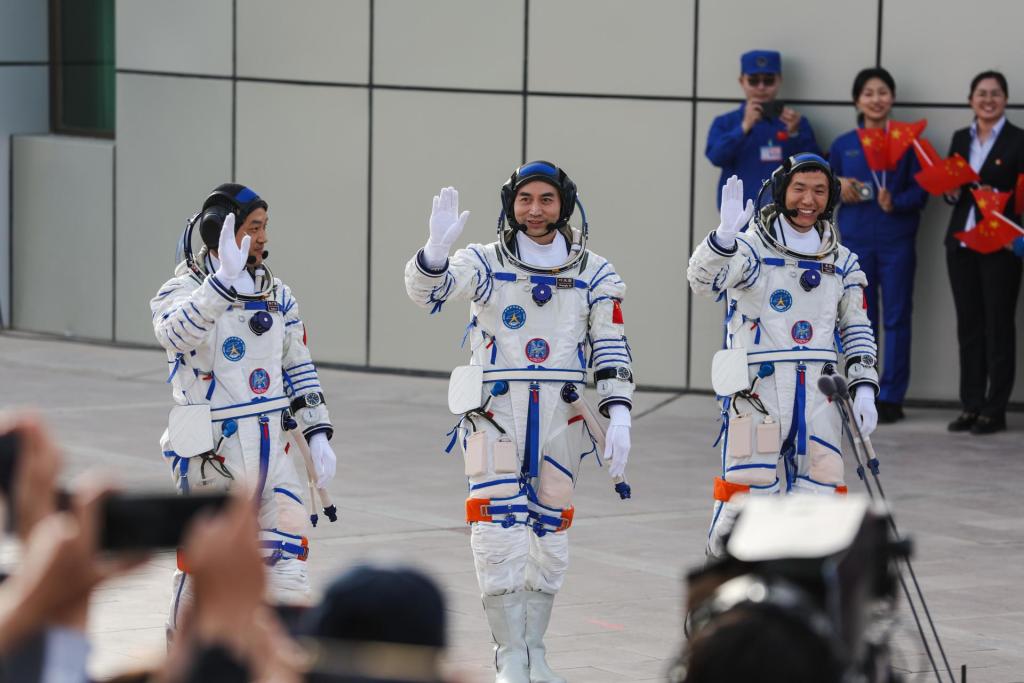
{"x": 773, "y": 109}
{"x": 143, "y": 521}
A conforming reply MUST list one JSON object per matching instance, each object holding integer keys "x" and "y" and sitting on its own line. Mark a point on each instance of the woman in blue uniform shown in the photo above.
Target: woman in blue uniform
{"x": 878, "y": 221}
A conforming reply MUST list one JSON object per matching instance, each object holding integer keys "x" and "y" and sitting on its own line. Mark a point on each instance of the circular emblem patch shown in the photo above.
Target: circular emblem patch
{"x": 802, "y": 331}
{"x": 233, "y": 348}
{"x": 514, "y": 317}
{"x": 259, "y": 381}
{"x": 537, "y": 350}
{"x": 781, "y": 300}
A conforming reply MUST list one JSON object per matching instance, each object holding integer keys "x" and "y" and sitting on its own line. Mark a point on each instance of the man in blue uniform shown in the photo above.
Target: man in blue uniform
{"x": 752, "y": 141}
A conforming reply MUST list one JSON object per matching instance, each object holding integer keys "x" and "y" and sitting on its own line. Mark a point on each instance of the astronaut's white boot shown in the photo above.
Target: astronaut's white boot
{"x": 506, "y": 615}
{"x": 538, "y": 614}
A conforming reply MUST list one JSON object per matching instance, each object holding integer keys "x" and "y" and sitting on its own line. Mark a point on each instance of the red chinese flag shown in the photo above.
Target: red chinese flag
{"x": 875, "y": 144}
{"x": 946, "y": 176}
{"x": 1018, "y": 195}
{"x": 990, "y": 234}
{"x": 901, "y": 137}
{"x": 617, "y": 313}
{"x": 926, "y": 154}
{"x": 990, "y": 201}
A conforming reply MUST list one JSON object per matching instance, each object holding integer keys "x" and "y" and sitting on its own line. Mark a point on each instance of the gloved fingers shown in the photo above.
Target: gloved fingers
{"x": 456, "y": 229}
{"x": 454, "y": 200}
{"x": 733, "y": 188}
{"x": 227, "y": 235}
{"x": 748, "y": 212}
{"x": 434, "y": 205}
{"x": 447, "y": 202}
{"x": 868, "y": 420}
{"x": 617, "y": 468}
{"x": 243, "y": 249}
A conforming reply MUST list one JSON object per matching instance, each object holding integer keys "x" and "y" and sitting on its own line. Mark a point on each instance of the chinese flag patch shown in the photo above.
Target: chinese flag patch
{"x": 304, "y": 336}
{"x": 617, "y": 313}
{"x": 864, "y": 298}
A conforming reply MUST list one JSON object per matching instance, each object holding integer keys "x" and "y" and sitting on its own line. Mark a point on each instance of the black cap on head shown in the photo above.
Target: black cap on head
{"x": 383, "y": 604}
{"x": 224, "y": 199}
{"x": 547, "y": 172}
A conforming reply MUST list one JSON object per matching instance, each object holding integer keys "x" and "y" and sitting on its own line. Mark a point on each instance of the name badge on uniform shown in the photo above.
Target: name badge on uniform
{"x": 828, "y": 268}
{"x": 273, "y": 306}
{"x": 772, "y": 153}
{"x": 564, "y": 283}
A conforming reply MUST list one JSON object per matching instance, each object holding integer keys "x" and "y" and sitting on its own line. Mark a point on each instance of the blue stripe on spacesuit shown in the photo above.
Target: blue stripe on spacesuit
{"x": 300, "y": 365}
{"x": 826, "y": 444}
{"x": 469, "y": 327}
{"x": 531, "y": 459}
{"x": 187, "y": 317}
{"x": 286, "y": 492}
{"x": 177, "y": 364}
{"x": 183, "y": 474}
{"x": 293, "y": 375}
{"x": 765, "y": 466}
{"x": 264, "y": 455}
{"x": 486, "y": 484}
{"x": 559, "y": 467}
{"x": 213, "y": 385}
{"x": 795, "y": 443}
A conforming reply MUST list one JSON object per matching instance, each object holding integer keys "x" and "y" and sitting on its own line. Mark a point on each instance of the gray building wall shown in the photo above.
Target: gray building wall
{"x": 348, "y": 115}
{"x": 24, "y": 102}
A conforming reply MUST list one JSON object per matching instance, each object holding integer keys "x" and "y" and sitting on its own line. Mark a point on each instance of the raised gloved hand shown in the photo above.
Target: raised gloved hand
{"x": 231, "y": 255}
{"x": 616, "y": 439}
{"x": 324, "y": 460}
{"x": 446, "y": 225}
{"x": 734, "y": 215}
{"x": 864, "y": 409}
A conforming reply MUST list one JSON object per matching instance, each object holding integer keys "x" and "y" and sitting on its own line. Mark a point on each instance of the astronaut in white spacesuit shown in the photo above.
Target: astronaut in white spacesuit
{"x": 794, "y": 311}
{"x": 542, "y": 310}
{"x": 241, "y": 373}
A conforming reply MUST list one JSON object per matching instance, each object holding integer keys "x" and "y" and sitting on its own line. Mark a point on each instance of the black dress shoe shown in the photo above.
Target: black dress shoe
{"x": 889, "y": 412}
{"x": 963, "y": 423}
{"x": 988, "y": 425}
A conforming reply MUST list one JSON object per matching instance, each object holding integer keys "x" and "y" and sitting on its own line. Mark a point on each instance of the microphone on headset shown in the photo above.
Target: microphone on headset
{"x": 252, "y": 259}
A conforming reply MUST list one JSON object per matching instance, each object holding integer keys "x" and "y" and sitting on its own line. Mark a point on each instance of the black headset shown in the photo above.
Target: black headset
{"x": 783, "y": 175}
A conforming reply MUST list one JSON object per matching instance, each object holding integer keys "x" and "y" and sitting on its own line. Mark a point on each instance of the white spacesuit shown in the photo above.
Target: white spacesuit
{"x": 540, "y": 315}
{"x": 795, "y": 309}
{"x": 240, "y": 371}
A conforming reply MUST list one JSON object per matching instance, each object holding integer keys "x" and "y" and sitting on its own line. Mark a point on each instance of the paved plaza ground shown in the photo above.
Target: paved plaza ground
{"x": 619, "y": 616}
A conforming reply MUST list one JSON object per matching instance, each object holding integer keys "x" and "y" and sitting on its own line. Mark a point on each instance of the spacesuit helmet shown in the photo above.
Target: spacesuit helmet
{"x": 548, "y": 173}
{"x": 802, "y": 163}
{"x": 224, "y": 199}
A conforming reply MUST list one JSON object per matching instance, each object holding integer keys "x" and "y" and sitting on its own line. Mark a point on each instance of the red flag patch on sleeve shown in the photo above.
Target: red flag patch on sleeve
{"x": 864, "y": 298}
{"x": 617, "y": 313}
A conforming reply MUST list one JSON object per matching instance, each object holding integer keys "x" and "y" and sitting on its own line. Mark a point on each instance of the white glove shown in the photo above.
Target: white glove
{"x": 446, "y": 225}
{"x": 232, "y": 257}
{"x": 324, "y": 461}
{"x": 733, "y": 214}
{"x": 616, "y": 439}
{"x": 864, "y": 409}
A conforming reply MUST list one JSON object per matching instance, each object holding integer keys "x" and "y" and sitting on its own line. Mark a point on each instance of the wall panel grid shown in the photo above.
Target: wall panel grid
{"x": 610, "y": 90}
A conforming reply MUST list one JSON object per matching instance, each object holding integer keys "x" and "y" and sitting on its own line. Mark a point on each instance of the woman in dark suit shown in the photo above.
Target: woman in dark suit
{"x": 985, "y": 286}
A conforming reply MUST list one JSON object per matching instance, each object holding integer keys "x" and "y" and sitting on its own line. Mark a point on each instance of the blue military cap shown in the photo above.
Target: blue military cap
{"x": 761, "y": 62}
